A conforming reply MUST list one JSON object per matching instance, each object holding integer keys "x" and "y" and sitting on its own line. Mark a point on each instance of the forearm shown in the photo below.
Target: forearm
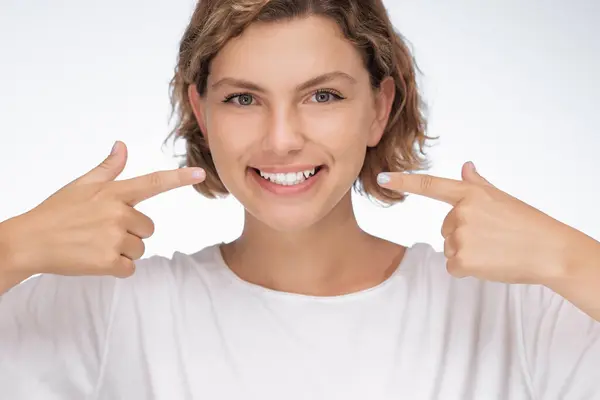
{"x": 580, "y": 283}
{"x": 8, "y": 281}
{"x": 10, "y": 275}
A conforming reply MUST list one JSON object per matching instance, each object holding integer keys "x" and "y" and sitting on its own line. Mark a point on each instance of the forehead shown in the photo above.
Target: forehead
{"x": 290, "y": 51}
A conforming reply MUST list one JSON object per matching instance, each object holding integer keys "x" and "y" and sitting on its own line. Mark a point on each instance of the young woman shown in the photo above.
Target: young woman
{"x": 288, "y": 104}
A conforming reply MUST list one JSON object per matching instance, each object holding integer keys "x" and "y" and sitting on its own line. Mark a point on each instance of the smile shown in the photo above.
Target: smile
{"x": 288, "y": 178}
{"x": 288, "y": 182}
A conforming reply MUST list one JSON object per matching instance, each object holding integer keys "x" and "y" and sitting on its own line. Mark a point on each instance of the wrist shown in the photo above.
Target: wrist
{"x": 12, "y": 261}
{"x": 583, "y": 259}
{"x": 578, "y": 277}
{"x": 7, "y": 257}
{"x": 568, "y": 257}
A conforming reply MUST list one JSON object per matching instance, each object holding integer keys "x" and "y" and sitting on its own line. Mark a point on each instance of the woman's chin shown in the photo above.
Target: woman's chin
{"x": 288, "y": 219}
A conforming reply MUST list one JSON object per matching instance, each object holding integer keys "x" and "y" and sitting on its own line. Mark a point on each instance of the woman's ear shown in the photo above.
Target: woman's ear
{"x": 384, "y": 98}
{"x": 198, "y": 108}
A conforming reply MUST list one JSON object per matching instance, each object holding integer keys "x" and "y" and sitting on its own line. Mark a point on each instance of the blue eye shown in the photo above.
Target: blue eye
{"x": 320, "y": 96}
{"x": 325, "y": 96}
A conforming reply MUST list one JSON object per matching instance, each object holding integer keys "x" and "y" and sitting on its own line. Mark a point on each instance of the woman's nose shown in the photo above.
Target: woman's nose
{"x": 284, "y": 134}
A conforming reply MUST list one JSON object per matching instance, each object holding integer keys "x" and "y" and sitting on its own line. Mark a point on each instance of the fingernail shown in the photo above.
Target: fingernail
{"x": 472, "y": 165}
{"x": 113, "y": 151}
{"x": 383, "y": 178}
{"x": 198, "y": 173}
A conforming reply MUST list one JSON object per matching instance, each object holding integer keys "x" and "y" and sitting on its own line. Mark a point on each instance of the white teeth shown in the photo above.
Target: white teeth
{"x": 288, "y": 179}
{"x": 308, "y": 173}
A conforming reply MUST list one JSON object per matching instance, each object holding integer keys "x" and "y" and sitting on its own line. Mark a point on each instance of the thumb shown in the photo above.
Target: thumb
{"x": 469, "y": 174}
{"x": 110, "y": 168}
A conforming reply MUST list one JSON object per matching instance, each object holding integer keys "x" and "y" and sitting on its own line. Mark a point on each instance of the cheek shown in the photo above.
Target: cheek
{"x": 230, "y": 136}
{"x": 344, "y": 132}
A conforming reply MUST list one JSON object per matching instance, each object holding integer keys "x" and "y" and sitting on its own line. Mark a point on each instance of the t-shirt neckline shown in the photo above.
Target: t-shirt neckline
{"x": 399, "y": 272}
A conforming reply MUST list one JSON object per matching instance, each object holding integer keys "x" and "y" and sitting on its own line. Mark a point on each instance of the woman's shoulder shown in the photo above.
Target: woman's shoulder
{"x": 161, "y": 270}
{"x": 150, "y": 272}
{"x": 425, "y": 270}
{"x": 422, "y": 259}
{"x": 425, "y": 267}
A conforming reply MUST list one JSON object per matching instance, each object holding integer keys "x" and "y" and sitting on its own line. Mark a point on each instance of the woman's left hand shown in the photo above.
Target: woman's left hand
{"x": 490, "y": 234}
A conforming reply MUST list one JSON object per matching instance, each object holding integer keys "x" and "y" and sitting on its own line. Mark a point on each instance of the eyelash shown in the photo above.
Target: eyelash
{"x": 337, "y": 96}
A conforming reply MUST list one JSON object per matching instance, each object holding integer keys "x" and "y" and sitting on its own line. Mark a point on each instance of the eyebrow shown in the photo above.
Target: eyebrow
{"x": 318, "y": 80}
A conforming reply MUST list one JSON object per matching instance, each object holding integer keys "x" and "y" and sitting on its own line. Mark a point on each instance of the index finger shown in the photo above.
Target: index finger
{"x": 443, "y": 189}
{"x": 138, "y": 189}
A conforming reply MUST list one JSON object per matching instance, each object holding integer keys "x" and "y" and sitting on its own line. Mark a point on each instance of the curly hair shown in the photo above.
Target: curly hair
{"x": 365, "y": 23}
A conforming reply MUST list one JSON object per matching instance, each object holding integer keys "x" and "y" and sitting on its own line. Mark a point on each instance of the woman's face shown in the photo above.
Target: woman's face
{"x": 289, "y": 113}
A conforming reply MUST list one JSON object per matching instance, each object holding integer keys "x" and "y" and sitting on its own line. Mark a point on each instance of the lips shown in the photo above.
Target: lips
{"x": 288, "y": 178}
{"x": 287, "y": 183}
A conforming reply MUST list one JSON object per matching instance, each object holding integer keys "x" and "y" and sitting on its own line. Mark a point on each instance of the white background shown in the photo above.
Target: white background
{"x": 511, "y": 85}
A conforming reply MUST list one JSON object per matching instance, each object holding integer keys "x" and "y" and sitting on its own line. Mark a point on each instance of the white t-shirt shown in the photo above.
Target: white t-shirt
{"x": 189, "y": 328}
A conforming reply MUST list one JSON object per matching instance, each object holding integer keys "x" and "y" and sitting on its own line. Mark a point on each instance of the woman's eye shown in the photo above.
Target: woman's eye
{"x": 325, "y": 96}
{"x": 243, "y": 99}
{"x": 246, "y": 99}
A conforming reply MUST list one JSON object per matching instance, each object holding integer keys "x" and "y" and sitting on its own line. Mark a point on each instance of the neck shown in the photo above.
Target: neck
{"x": 331, "y": 257}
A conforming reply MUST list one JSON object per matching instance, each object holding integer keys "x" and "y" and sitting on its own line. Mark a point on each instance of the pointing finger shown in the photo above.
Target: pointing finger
{"x": 136, "y": 190}
{"x": 447, "y": 190}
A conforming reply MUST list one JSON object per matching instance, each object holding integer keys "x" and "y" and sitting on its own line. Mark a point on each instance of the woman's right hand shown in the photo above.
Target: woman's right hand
{"x": 90, "y": 226}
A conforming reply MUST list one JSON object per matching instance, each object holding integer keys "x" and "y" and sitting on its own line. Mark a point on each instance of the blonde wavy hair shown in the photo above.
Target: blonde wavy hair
{"x": 365, "y": 23}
